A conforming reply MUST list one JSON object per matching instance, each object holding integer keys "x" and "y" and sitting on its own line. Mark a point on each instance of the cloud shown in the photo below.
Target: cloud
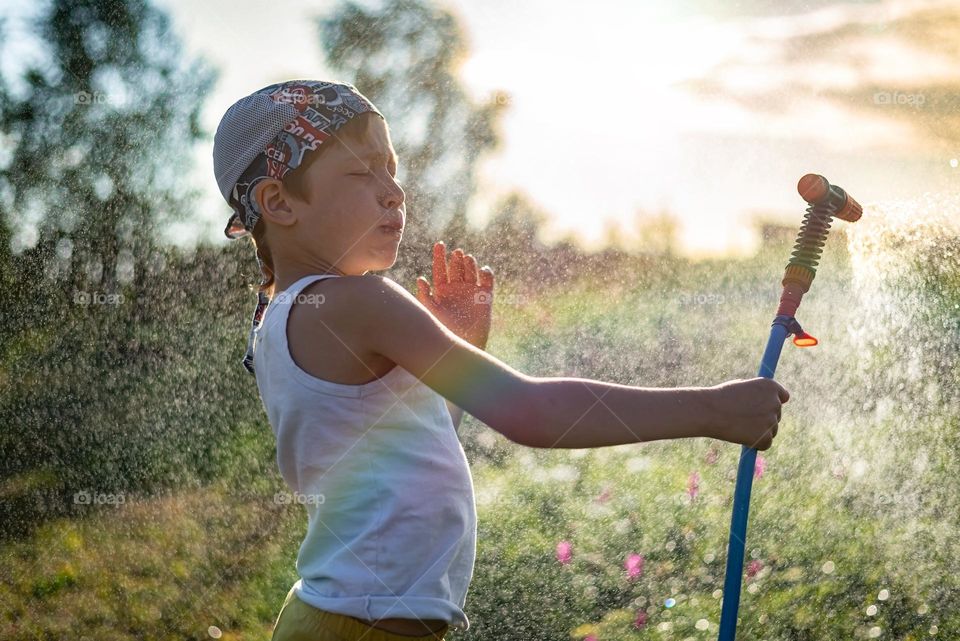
{"x": 858, "y": 77}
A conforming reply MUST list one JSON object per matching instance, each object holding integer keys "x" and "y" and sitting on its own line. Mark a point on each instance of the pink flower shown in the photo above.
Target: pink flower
{"x": 753, "y": 567}
{"x": 604, "y": 496}
{"x": 759, "y": 466}
{"x": 693, "y": 485}
{"x": 712, "y": 455}
{"x": 634, "y": 565}
{"x": 641, "y": 619}
{"x": 590, "y": 638}
{"x": 564, "y": 552}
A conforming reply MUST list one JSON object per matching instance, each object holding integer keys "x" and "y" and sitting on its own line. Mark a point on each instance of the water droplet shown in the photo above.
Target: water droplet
{"x": 828, "y": 567}
{"x": 884, "y": 595}
{"x": 670, "y": 602}
{"x": 874, "y": 632}
{"x": 702, "y": 624}
{"x": 954, "y": 163}
{"x": 214, "y": 632}
{"x": 872, "y": 610}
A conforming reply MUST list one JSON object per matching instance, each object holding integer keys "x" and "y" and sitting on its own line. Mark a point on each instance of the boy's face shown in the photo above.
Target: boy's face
{"x": 353, "y": 195}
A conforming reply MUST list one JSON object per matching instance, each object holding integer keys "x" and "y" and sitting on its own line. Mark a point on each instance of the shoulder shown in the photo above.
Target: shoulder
{"x": 361, "y": 300}
{"x": 358, "y": 291}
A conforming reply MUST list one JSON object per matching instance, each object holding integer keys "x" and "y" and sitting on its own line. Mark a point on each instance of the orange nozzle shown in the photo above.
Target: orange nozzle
{"x": 817, "y": 190}
{"x": 803, "y": 339}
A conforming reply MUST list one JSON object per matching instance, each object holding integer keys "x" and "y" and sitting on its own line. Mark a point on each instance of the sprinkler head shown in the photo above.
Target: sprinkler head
{"x": 826, "y": 201}
{"x": 816, "y": 190}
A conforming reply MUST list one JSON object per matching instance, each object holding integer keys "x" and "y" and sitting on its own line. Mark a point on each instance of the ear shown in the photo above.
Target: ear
{"x": 273, "y": 202}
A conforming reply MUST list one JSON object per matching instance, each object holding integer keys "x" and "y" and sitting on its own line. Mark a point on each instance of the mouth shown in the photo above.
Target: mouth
{"x": 396, "y": 230}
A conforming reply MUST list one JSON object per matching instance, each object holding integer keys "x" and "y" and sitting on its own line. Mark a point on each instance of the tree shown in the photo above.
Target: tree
{"x": 658, "y": 233}
{"x": 514, "y": 230}
{"x": 98, "y": 141}
{"x": 101, "y": 135}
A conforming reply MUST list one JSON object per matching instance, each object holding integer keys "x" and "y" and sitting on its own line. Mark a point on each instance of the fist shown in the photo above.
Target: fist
{"x": 747, "y": 411}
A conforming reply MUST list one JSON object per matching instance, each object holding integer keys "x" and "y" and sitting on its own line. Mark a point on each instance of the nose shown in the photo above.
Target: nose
{"x": 393, "y": 194}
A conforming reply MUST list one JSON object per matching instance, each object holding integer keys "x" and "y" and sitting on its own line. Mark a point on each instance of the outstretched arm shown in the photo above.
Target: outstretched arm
{"x": 554, "y": 412}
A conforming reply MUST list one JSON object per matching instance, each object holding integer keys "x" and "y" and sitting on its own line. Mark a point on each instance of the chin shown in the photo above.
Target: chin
{"x": 384, "y": 260}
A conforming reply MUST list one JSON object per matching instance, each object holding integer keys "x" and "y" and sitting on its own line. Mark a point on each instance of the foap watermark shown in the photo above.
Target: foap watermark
{"x": 286, "y": 498}
{"x": 303, "y": 299}
{"x": 300, "y": 97}
{"x": 719, "y": 298}
{"x": 96, "y": 298}
{"x": 898, "y": 98}
{"x": 88, "y": 497}
{"x": 86, "y": 98}
{"x": 701, "y": 298}
{"x": 486, "y": 298}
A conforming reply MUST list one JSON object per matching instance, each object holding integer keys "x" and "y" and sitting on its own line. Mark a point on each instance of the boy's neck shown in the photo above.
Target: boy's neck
{"x": 287, "y": 275}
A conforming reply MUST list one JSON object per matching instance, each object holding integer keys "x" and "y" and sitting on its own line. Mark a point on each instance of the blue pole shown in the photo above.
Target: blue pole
{"x": 741, "y": 497}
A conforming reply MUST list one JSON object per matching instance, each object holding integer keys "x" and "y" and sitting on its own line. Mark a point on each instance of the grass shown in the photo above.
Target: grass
{"x": 157, "y": 568}
{"x": 169, "y": 567}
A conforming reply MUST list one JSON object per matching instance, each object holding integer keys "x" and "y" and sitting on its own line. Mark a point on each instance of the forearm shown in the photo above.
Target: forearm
{"x": 578, "y": 412}
{"x": 456, "y": 413}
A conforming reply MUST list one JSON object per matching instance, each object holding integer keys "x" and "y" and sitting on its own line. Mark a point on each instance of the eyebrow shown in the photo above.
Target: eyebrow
{"x": 380, "y": 156}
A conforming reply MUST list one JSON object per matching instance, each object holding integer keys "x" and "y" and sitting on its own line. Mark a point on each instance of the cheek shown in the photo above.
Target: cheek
{"x": 350, "y": 214}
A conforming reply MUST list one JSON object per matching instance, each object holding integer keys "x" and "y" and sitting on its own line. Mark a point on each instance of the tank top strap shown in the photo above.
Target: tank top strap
{"x": 281, "y": 303}
{"x": 294, "y": 290}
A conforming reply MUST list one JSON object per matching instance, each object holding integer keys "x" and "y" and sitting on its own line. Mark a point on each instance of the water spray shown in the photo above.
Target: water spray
{"x": 825, "y": 202}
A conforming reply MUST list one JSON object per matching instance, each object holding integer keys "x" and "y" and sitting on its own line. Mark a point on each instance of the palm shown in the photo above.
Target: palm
{"x": 462, "y": 295}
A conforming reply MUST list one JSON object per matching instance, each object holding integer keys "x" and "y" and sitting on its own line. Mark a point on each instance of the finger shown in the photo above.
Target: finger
{"x": 423, "y": 290}
{"x": 470, "y": 269}
{"x": 783, "y": 393}
{"x": 486, "y": 277}
{"x": 456, "y": 272}
{"x": 440, "y": 263}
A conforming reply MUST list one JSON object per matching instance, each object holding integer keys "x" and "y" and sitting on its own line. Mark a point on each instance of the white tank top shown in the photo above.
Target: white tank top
{"x": 392, "y": 523}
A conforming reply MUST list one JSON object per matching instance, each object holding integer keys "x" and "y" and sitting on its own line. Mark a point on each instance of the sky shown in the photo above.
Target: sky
{"x": 725, "y": 105}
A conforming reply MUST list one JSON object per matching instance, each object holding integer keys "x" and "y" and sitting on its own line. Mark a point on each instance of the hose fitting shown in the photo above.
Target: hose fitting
{"x": 825, "y": 202}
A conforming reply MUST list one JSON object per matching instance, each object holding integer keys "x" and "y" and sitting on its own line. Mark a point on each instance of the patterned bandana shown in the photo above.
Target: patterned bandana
{"x": 295, "y": 117}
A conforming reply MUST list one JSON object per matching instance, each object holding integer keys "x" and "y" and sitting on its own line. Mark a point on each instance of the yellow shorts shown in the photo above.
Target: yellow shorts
{"x": 298, "y": 621}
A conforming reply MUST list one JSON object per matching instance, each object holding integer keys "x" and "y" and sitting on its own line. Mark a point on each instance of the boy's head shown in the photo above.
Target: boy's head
{"x": 336, "y": 204}
{"x": 291, "y": 155}
{"x": 308, "y": 168}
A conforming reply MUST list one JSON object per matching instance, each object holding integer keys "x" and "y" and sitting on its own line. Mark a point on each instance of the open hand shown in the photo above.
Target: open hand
{"x": 462, "y": 295}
